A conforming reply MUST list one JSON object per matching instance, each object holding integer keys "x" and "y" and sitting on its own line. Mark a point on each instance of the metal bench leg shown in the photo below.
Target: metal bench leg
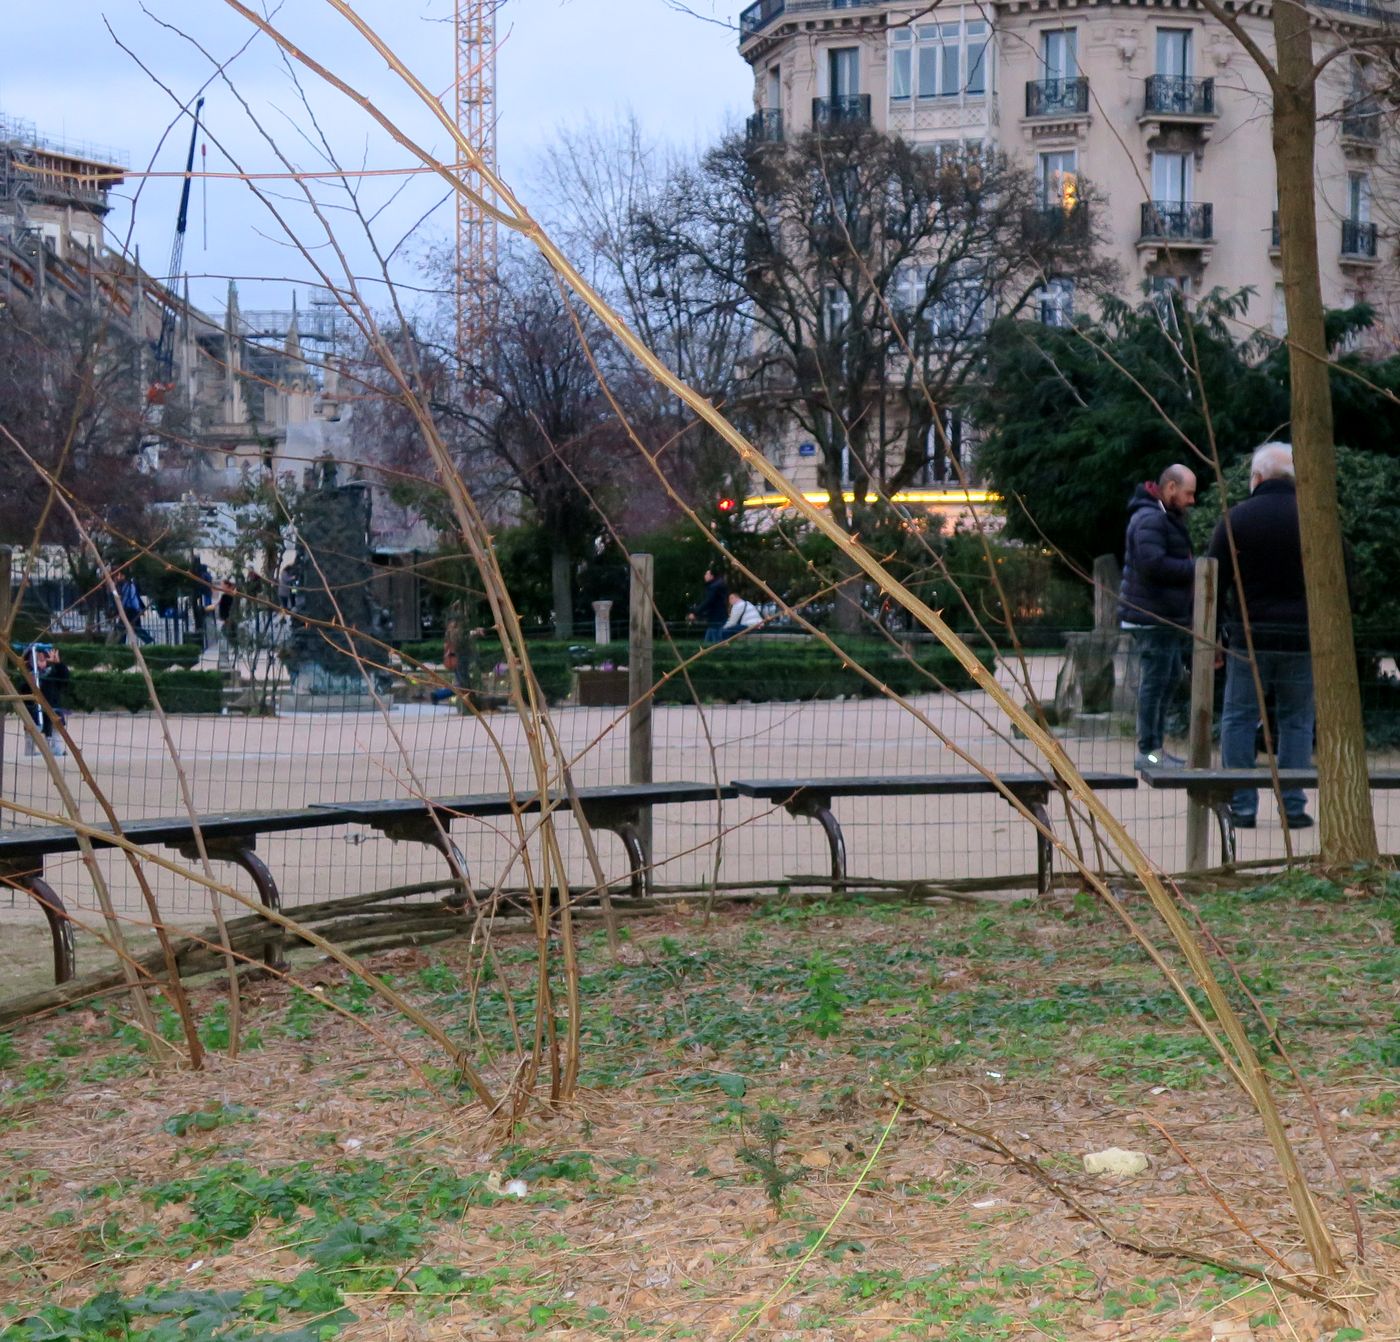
{"x": 1226, "y": 821}
{"x": 636, "y": 857}
{"x": 241, "y": 854}
{"x": 65, "y": 963}
{"x": 1044, "y": 850}
{"x": 819, "y": 809}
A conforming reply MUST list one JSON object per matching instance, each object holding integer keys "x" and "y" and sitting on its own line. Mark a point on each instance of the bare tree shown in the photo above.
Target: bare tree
{"x": 1348, "y": 827}
{"x": 869, "y": 272}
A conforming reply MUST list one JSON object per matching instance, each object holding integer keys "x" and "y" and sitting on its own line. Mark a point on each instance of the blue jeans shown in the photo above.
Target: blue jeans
{"x": 1160, "y": 650}
{"x": 1289, "y": 676}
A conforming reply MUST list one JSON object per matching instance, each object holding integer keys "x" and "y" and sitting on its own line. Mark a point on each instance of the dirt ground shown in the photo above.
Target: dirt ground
{"x": 843, "y": 1121}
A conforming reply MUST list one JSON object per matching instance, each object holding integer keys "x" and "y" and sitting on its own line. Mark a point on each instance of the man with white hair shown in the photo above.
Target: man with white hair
{"x": 1270, "y": 593}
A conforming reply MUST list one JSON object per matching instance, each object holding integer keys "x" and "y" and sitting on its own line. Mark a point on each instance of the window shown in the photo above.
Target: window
{"x": 1358, "y": 198}
{"x": 1174, "y": 52}
{"x": 1280, "y": 316}
{"x": 1059, "y": 179}
{"x": 1054, "y": 304}
{"x": 775, "y": 88}
{"x": 843, "y": 72}
{"x": 939, "y": 60}
{"x": 1059, "y": 53}
{"x": 1172, "y": 178}
{"x": 838, "y": 312}
{"x": 961, "y": 309}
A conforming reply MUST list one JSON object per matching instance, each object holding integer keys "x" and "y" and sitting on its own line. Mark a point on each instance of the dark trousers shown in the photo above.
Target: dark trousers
{"x": 1161, "y": 649}
{"x": 1289, "y": 676}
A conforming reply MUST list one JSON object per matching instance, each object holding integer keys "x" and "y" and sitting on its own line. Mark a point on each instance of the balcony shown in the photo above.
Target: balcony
{"x": 765, "y": 127}
{"x": 1057, "y": 97}
{"x": 1361, "y": 124}
{"x": 1358, "y": 241}
{"x": 848, "y": 111}
{"x": 1176, "y": 224}
{"x": 1180, "y": 97}
{"x": 1055, "y": 223}
{"x": 1364, "y": 8}
{"x": 758, "y": 16}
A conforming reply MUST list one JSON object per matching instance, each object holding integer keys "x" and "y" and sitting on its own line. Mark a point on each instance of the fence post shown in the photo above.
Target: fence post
{"x": 641, "y": 620}
{"x": 1198, "y": 815}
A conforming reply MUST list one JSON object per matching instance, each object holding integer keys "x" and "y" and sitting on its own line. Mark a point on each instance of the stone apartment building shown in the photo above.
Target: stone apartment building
{"x": 1155, "y": 104}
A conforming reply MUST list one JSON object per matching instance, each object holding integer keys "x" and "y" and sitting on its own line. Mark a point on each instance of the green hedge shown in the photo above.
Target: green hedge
{"x": 756, "y": 668}
{"x": 82, "y": 656}
{"x": 179, "y": 691}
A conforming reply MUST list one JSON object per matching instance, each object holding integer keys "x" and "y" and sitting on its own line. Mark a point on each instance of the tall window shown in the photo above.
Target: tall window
{"x": 1358, "y": 198}
{"x": 1172, "y": 178}
{"x": 774, "y": 91}
{"x": 843, "y": 72}
{"x": 1059, "y": 53}
{"x": 1059, "y": 179}
{"x": 1174, "y": 52}
{"x": 939, "y": 60}
{"x": 1054, "y": 304}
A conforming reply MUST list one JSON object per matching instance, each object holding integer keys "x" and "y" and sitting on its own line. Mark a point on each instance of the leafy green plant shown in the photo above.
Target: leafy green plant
{"x": 826, "y": 999}
{"x": 207, "y": 1119}
{"x": 765, "y": 1158}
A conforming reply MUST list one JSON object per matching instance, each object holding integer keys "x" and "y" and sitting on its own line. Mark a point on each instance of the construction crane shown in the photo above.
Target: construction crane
{"x": 163, "y": 378}
{"x": 476, "y": 231}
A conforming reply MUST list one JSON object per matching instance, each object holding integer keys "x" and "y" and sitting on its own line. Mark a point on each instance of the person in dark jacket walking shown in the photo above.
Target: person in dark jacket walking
{"x": 713, "y": 607}
{"x": 1155, "y": 601}
{"x": 1270, "y": 554}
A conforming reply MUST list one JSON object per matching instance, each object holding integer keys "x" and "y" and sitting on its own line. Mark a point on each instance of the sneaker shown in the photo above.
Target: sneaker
{"x": 57, "y": 747}
{"x": 1157, "y": 759}
{"x": 1302, "y": 820}
{"x": 1241, "y": 821}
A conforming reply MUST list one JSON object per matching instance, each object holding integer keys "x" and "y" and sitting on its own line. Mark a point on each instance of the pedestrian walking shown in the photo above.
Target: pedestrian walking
{"x": 1270, "y": 593}
{"x": 1155, "y": 602}
{"x": 133, "y": 606}
{"x": 712, "y": 610}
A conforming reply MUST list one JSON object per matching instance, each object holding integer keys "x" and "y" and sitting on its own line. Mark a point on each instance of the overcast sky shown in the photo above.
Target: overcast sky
{"x": 674, "y": 64}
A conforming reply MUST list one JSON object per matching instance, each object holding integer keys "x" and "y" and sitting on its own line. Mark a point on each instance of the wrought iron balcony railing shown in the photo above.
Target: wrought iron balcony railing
{"x": 852, "y": 109}
{"x": 1176, "y": 221}
{"x": 765, "y": 127}
{"x": 1362, "y": 121}
{"x": 1056, "y": 223}
{"x": 1180, "y": 95}
{"x": 1057, "y": 97}
{"x": 1365, "y": 8}
{"x": 1358, "y": 239}
{"x": 759, "y": 15}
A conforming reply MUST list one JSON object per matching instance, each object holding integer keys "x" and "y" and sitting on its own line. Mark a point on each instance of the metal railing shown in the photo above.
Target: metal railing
{"x": 851, "y": 109}
{"x": 1362, "y": 121}
{"x": 1057, "y": 97}
{"x": 1053, "y": 222}
{"x": 1358, "y": 239}
{"x": 1177, "y": 221}
{"x": 758, "y": 16}
{"x": 765, "y": 127}
{"x": 1180, "y": 95}
{"x": 1364, "y": 8}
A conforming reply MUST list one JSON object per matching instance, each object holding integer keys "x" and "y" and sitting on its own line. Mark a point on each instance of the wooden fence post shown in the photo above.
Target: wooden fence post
{"x": 641, "y": 620}
{"x": 1198, "y": 814}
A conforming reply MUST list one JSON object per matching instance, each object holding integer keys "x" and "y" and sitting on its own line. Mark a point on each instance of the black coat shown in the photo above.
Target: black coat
{"x": 1158, "y": 569}
{"x": 714, "y": 605}
{"x": 1265, "y": 528}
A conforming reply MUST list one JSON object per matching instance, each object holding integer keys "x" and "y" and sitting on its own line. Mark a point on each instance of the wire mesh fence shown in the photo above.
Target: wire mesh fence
{"x": 235, "y": 762}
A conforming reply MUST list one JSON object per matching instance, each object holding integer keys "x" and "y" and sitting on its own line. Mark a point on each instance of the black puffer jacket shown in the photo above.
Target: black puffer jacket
{"x": 1158, "y": 569}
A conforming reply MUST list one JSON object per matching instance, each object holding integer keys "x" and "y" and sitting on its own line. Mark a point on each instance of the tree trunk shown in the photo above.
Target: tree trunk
{"x": 1348, "y": 827}
{"x": 562, "y": 580}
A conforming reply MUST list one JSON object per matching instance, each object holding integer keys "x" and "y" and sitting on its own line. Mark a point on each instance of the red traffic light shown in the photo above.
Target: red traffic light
{"x": 727, "y": 505}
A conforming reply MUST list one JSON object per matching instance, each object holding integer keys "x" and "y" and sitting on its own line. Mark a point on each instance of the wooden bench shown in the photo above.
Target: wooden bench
{"x": 233, "y": 838}
{"x": 1216, "y": 788}
{"x": 811, "y": 798}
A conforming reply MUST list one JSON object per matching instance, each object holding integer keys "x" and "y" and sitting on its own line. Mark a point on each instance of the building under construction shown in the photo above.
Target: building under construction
{"x": 233, "y": 386}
